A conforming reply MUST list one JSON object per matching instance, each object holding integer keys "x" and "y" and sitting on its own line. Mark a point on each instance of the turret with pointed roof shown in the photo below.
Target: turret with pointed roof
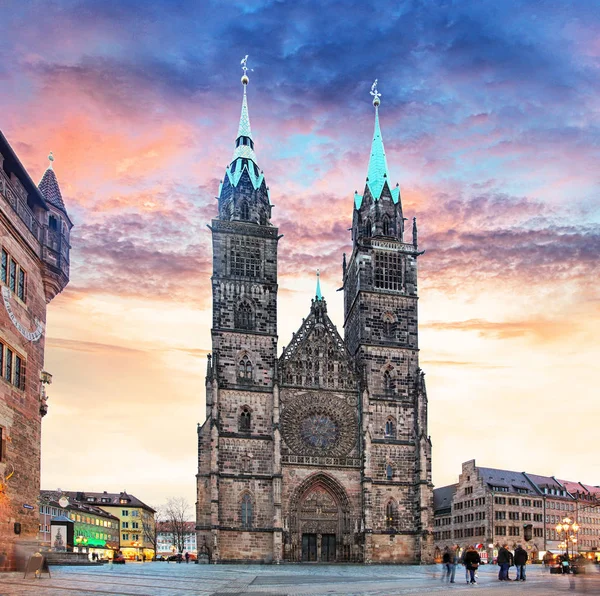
{"x": 59, "y": 229}
{"x": 243, "y": 193}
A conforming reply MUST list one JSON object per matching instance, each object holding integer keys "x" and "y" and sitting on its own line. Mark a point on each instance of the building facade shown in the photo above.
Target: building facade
{"x": 489, "y": 507}
{"x": 168, "y": 542}
{"x": 95, "y": 530}
{"x": 34, "y": 268}
{"x": 136, "y": 520}
{"x": 320, "y": 453}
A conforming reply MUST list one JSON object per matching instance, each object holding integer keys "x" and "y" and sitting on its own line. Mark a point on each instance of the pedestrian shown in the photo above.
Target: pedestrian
{"x": 472, "y": 561}
{"x": 187, "y": 557}
{"x": 520, "y": 559}
{"x": 504, "y": 560}
{"x": 453, "y": 562}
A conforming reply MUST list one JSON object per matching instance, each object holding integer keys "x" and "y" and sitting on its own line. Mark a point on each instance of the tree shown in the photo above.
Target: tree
{"x": 176, "y": 513}
{"x": 150, "y": 527}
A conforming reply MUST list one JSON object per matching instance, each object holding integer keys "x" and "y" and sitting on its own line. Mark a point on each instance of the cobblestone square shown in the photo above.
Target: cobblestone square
{"x": 170, "y": 579}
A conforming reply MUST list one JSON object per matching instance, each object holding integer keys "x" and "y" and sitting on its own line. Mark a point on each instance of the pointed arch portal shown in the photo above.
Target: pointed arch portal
{"x": 319, "y": 521}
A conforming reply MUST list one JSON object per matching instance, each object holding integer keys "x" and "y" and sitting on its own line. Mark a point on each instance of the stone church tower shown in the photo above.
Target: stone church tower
{"x": 321, "y": 454}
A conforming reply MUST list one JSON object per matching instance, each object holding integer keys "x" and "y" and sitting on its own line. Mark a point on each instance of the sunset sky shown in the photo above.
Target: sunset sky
{"x": 490, "y": 118}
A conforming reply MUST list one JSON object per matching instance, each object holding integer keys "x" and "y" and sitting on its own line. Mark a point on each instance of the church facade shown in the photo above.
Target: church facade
{"x": 320, "y": 453}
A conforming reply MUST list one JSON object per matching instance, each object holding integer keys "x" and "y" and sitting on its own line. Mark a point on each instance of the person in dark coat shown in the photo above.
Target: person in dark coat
{"x": 446, "y": 565}
{"x": 472, "y": 560}
{"x": 520, "y": 559}
{"x": 504, "y": 561}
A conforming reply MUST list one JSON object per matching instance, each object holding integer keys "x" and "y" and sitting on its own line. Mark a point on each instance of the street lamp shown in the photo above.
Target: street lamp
{"x": 570, "y": 529}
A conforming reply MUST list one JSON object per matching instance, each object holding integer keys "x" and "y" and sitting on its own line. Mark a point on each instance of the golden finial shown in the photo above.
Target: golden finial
{"x": 50, "y": 159}
{"x": 376, "y": 95}
{"x": 244, "y": 63}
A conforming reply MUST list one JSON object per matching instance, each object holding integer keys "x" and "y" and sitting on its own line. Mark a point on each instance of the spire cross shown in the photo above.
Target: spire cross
{"x": 375, "y": 93}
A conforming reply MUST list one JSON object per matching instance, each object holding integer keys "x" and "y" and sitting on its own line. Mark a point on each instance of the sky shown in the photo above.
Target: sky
{"x": 489, "y": 114}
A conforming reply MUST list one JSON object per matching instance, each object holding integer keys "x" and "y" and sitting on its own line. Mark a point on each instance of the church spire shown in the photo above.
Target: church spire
{"x": 244, "y": 158}
{"x": 319, "y": 296}
{"x": 377, "y": 174}
{"x": 49, "y": 187}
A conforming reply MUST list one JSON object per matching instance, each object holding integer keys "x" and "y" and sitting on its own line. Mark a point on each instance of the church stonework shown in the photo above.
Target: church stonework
{"x": 321, "y": 454}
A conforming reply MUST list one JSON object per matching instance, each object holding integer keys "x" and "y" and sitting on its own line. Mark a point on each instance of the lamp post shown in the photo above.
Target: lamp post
{"x": 570, "y": 529}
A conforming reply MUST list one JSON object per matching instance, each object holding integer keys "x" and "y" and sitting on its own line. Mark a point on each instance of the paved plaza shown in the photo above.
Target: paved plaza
{"x": 170, "y": 579}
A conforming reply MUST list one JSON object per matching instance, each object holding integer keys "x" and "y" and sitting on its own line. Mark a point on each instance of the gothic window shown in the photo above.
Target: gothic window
{"x": 53, "y": 223}
{"x": 245, "y": 369}
{"x": 245, "y": 210}
{"x": 391, "y": 515}
{"x": 245, "y": 257}
{"x": 388, "y": 271}
{"x": 387, "y": 383}
{"x": 244, "y": 316}
{"x": 386, "y": 225}
{"x": 245, "y": 419}
{"x": 388, "y": 325}
{"x": 390, "y": 430}
{"x": 246, "y": 511}
{"x": 389, "y": 472}
{"x": 368, "y": 226}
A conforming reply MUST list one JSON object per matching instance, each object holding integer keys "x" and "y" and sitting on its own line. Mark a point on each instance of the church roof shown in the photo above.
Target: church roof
{"x": 377, "y": 174}
{"x": 50, "y": 190}
{"x": 318, "y": 341}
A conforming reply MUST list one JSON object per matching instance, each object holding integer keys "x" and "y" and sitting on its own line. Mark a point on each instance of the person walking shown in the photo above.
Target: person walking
{"x": 446, "y": 565}
{"x": 504, "y": 560}
{"x": 472, "y": 561}
{"x": 453, "y": 562}
{"x": 187, "y": 557}
{"x": 520, "y": 559}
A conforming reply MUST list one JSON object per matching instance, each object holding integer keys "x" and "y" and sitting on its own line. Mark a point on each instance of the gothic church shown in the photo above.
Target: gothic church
{"x": 321, "y": 453}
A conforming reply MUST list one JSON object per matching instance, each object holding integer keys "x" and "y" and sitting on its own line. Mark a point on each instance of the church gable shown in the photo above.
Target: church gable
{"x": 317, "y": 356}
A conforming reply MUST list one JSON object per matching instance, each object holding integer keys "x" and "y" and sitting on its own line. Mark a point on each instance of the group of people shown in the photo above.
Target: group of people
{"x": 471, "y": 560}
{"x": 506, "y": 560}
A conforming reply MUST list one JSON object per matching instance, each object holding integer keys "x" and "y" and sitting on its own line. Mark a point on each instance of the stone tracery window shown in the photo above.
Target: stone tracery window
{"x": 368, "y": 228}
{"x": 386, "y": 225}
{"x": 388, "y": 387}
{"x": 391, "y": 514}
{"x": 388, "y": 270}
{"x": 246, "y": 511}
{"x": 245, "y": 210}
{"x": 388, "y": 324}
{"x": 245, "y": 419}
{"x": 244, "y": 317}
{"x": 390, "y": 428}
{"x": 245, "y": 369}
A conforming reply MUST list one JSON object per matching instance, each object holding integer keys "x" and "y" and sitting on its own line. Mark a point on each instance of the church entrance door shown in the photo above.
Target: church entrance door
{"x": 309, "y": 547}
{"x": 328, "y": 548}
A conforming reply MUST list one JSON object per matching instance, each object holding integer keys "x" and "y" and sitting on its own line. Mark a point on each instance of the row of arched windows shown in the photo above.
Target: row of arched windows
{"x": 386, "y": 227}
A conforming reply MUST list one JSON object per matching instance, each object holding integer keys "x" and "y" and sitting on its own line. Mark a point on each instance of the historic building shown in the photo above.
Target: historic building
{"x": 34, "y": 268}
{"x": 489, "y": 507}
{"x": 320, "y": 453}
{"x": 95, "y": 531}
{"x": 136, "y": 520}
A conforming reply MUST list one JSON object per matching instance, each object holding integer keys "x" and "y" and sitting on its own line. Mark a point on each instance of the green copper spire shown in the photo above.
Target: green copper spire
{"x": 377, "y": 174}
{"x": 319, "y": 295}
{"x": 244, "y": 158}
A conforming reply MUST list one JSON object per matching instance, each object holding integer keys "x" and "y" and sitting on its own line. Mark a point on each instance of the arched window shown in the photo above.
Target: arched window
{"x": 391, "y": 515}
{"x": 390, "y": 429}
{"x": 368, "y": 227}
{"x": 244, "y": 316}
{"x": 245, "y": 369}
{"x": 246, "y": 511}
{"x": 245, "y": 419}
{"x": 386, "y": 225}
{"x": 388, "y": 324}
{"x": 53, "y": 223}
{"x": 245, "y": 210}
{"x": 389, "y": 471}
{"x": 387, "y": 383}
